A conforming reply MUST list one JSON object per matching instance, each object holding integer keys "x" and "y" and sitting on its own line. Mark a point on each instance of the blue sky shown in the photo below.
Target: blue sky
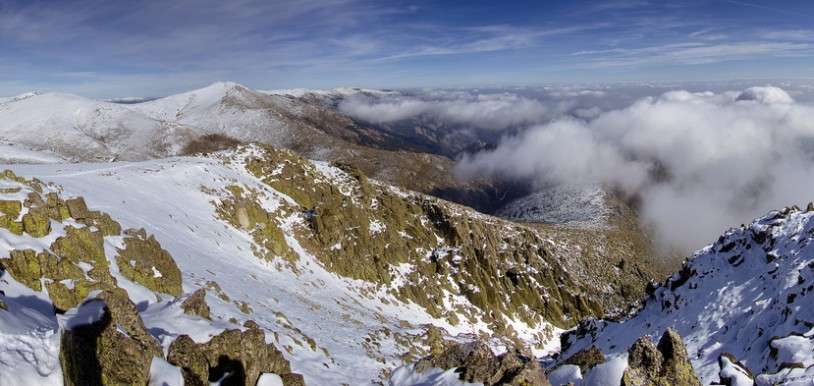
{"x": 152, "y": 48}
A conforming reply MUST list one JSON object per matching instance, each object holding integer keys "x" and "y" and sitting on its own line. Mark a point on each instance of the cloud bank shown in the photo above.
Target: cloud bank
{"x": 483, "y": 111}
{"x": 699, "y": 162}
{"x": 490, "y": 109}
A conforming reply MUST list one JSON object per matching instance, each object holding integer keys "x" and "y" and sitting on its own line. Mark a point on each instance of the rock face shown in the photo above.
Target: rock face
{"x": 476, "y": 363}
{"x": 145, "y": 262}
{"x": 116, "y": 349}
{"x": 361, "y": 229}
{"x": 234, "y": 357}
{"x": 664, "y": 365}
{"x": 67, "y": 283}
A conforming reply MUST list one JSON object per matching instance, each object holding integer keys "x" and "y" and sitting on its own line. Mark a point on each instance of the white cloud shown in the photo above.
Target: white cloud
{"x": 483, "y": 111}
{"x": 699, "y": 162}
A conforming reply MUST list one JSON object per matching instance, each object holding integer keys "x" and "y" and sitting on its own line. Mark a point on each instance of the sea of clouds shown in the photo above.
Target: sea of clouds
{"x": 697, "y": 162}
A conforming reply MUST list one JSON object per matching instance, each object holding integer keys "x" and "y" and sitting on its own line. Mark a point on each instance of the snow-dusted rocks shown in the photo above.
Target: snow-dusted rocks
{"x": 474, "y": 362}
{"x": 289, "y": 243}
{"x": 742, "y": 305}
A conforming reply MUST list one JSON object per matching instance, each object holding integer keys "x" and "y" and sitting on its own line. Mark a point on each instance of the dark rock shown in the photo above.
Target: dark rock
{"x": 195, "y": 304}
{"x": 114, "y": 350}
{"x": 664, "y": 365}
{"x": 235, "y": 357}
{"x": 475, "y": 362}
{"x": 586, "y": 359}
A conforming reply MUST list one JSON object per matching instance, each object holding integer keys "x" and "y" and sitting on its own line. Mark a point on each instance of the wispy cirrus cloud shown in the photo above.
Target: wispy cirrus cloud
{"x": 326, "y": 43}
{"x": 692, "y": 53}
{"x": 803, "y": 35}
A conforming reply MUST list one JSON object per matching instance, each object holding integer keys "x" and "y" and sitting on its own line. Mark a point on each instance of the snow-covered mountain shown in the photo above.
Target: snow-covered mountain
{"x": 343, "y": 275}
{"x": 85, "y": 129}
{"x": 80, "y": 128}
{"x": 742, "y": 304}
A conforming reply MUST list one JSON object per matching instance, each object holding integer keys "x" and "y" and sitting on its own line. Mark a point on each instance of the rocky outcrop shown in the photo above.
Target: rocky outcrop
{"x": 664, "y": 365}
{"x": 733, "y": 372}
{"x": 67, "y": 282}
{"x": 234, "y": 357}
{"x": 586, "y": 359}
{"x": 102, "y": 221}
{"x": 361, "y": 229}
{"x": 114, "y": 349}
{"x": 476, "y": 363}
{"x": 195, "y": 304}
{"x": 143, "y": 261}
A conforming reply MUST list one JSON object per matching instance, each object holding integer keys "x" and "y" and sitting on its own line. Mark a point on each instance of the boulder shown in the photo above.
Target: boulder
{"x": 36, "y": 224}
{"x": 195, "y": 304}
{"x": 586, "y": 359}
{"x": 77, "y": 208}
{"x": 733, "y": 372}
{"x": 664, "y": 365}
{"x": 235, "y": 357}
{"x": 11, "y": 208}
{"x": 476, "y": 363}
{"x": 67, "y": 283}
{"x": 144, "y": 261}
{"x": 114, "y": 349}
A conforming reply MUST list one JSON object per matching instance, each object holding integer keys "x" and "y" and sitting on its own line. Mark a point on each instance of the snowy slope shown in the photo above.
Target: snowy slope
{"x": 568, "y": 205}
{"x": 85, "y": 129}
{"x": 13, "y": 154}
{"x": 325, "y": 322}
{"x": 82, "y": 128}
{"x": 225, "y": 108}
{"x": 748, "y": 294}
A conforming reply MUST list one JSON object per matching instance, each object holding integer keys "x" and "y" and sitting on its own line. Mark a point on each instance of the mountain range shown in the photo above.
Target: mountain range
{"x": 234, "y": 236}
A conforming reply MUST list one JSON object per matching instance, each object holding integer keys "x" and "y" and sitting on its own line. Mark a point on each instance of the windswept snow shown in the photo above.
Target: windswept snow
{"x": 322, "y": 322}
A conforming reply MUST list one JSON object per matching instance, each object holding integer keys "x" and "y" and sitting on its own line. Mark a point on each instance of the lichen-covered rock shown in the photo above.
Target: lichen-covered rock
{"x": 116, "y": 349}
{"x": 195, "y": 304}
{"x": 243, "y": 211}
{"x": 664, "y": 365}
{"x": 15, "y": 227}
{"x": 235, "y": 357}
{"x": 36, "y": 224}
{"x": 76, "y": 267}
{"x": 586, "y": 359}
{"x": 144, "y": 261}
{"x": 11, "y": 208}
{"x": 363, "y": 230}
{"x": 103, "y": 222}
{"x": 476, "y": 363}
{"x": 77, "y": 208}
